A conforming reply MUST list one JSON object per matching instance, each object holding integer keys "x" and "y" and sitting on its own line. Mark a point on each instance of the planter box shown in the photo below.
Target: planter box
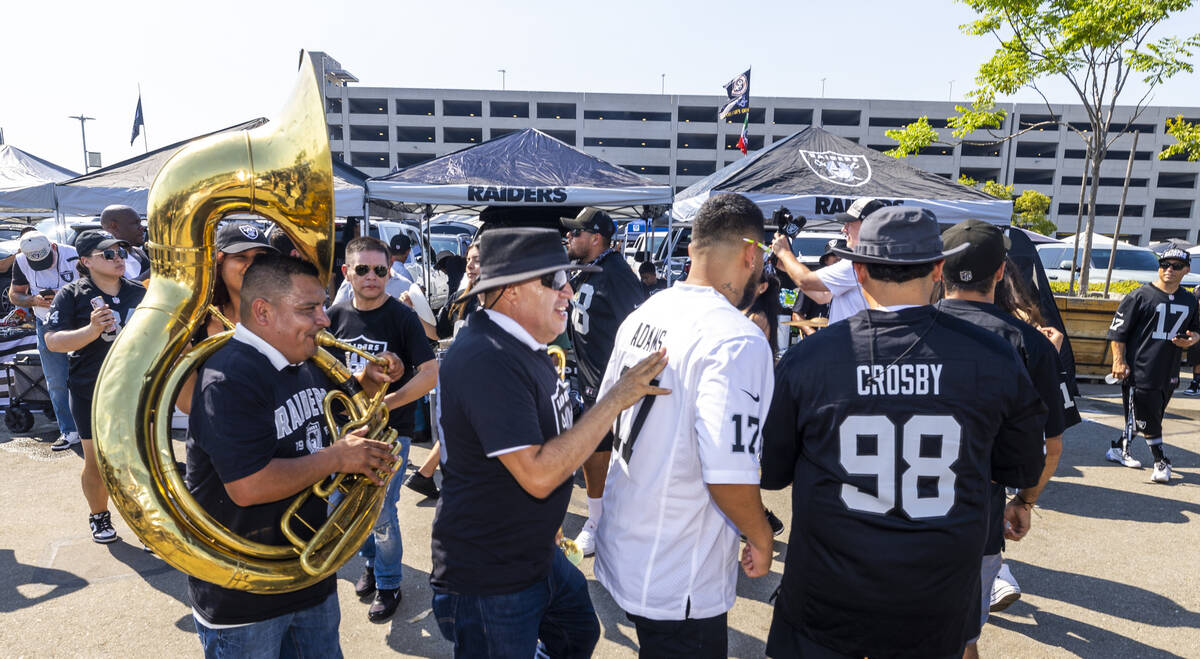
{"x": 1087, "y": 320}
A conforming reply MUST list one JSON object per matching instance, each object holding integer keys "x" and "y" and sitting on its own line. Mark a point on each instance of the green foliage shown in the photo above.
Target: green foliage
{"x": 1029, "y": 212}
{"x": 1118, "y": 287}
{"x": 912, "y": 138}
{"x": 1187, "y": 139}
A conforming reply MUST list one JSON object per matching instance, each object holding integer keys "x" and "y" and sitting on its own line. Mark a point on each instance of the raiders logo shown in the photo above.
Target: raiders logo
{"x": 840, "y": 168}
{"x": 313, "y": 439}
{"x": 249, "y": 230}
{"x": 356, "y": 363}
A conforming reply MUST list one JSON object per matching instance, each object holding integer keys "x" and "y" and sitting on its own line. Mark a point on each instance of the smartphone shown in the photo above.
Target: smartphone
{"x": 98, "y": 303}
{"x": 1182, "y": 335}
{"x": 47, "y": 293}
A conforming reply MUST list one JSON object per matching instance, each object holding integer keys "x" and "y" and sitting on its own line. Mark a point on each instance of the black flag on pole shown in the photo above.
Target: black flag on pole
{"x": 739, "y": 96}
{"x": 138, "y": 122}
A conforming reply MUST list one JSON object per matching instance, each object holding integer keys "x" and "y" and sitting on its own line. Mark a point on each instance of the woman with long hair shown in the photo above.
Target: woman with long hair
{"x": 84, "y": 319}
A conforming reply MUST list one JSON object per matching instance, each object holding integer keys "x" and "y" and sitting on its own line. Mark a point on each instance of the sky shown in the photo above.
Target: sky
{"x": 206, "y": 65}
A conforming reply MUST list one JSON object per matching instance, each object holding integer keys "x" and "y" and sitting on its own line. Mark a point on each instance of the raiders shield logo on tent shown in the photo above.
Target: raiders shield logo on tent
{"x": 840, "y": 168}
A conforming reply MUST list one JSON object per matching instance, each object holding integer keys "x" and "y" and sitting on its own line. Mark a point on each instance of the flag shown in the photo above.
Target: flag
{"x": 137, "y": 121}
{"x": 738, "y": 90}
{"x": 743, "y": 143}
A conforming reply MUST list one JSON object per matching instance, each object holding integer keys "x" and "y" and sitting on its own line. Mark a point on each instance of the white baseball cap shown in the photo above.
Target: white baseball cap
{"x": 36, "y": 247}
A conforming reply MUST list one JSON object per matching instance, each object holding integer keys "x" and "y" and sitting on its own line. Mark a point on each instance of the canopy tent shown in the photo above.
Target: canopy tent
{"x": 817, "y": 174}
{"x": 27, "y": 182}
{"x": 526, "y": 168}
{"x": 128, "y": 182}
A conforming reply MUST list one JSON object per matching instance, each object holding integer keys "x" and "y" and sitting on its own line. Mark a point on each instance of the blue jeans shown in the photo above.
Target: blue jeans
{"x": 557, "y": 610}
{"x": 54, "y": 367}
{"x": 383, "y": 549}
{"x": 312, "y": 632}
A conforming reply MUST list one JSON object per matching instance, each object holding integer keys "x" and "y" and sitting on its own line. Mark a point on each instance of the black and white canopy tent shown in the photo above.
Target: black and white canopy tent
{"x": 128, "y": 182}
{"x": 527, "y": 168}
{"x": 817, "y": 174}
{"x": 27, "y": 182}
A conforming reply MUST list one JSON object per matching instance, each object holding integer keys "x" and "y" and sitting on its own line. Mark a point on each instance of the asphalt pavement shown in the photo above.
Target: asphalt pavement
{"x": 1110, "y": 569}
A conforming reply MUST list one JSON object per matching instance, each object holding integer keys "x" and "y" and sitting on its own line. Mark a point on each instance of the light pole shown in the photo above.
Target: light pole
{"x": 503, "y": 73}
{"x": 83, "y": 132}
{"x": 664, "y": 83}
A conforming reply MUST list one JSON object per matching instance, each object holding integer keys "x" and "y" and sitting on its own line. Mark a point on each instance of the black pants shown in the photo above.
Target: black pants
{"x": 682, "y": 639}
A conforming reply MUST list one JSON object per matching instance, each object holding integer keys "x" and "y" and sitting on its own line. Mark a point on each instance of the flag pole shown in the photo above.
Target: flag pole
{"x": 145, "y": 140}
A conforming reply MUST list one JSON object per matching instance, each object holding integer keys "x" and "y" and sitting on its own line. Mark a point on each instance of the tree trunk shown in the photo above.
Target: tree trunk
{"x": 1093, "y": 192}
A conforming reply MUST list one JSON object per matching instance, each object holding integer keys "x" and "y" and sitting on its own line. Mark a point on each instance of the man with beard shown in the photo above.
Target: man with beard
{"x": 125, "y": 225}
{"x": 602, "y": 301}
{"x": 684, "y": 478}
{"x": 374, "y": 322}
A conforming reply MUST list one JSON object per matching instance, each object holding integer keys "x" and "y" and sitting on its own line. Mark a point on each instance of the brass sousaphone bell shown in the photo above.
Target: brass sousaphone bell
{"x": 281, "y": 171}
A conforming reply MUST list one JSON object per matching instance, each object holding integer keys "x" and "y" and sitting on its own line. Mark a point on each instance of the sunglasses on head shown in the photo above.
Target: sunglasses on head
{"x": 1173, "y": 265}
{"x": 362, "y": 269}
{"x": 113, "y": 254}
{"x": 555, "y": 280}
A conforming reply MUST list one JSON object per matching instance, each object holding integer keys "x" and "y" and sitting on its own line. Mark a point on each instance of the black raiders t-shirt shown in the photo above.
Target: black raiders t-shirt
{"x": 245, "y": 413}
{"x": 890, "y": 456}
{"x": 1045, "y": 370}
{"x": 498, "y": 395}
{"x": 72, "y": 309}
{"x": 1146, "y": 321}
{"x": 602, "y": 301}
{"x": 393, "y": 327}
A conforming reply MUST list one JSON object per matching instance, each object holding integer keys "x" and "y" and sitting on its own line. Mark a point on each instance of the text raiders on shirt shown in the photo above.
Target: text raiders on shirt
{"x": 305, "y": 409}
{"x": 561, "y": 399}
{"x": 356, "y": 362}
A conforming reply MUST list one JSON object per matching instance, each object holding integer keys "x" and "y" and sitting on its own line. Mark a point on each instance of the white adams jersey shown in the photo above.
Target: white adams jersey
{"x": 664, "y": 549}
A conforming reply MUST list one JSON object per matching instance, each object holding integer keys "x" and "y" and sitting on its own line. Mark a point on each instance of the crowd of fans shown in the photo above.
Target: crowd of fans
{"x": 677, "y": 410}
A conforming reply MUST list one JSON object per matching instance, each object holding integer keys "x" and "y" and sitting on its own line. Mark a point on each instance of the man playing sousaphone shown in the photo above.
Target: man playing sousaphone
{"x": 500, "y": 584}
{"x": 256, "y": 439}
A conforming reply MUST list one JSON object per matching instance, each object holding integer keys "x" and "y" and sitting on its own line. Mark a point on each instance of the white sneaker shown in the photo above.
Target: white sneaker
{"x": 1162, "y": 472}
{"x": 1122, "y": 458}
{"x": 65, "y": 441}
{"x": 586, "y": 540}
{"x": 1005, "y": 590}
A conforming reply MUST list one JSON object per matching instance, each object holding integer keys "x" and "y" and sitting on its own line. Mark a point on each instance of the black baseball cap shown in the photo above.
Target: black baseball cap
{"x": 898, "y": 235}
{"x": 237, "y": 237}
{"x": 400, "y": 244}
{"x": 986, "y": 247}
{"x": 833, "y": 245}
{"x": 859, "y": 210}
{"x": 1176, "y": 254}
{"x": 93, "y": 239}
{"x": 593, "y": 220}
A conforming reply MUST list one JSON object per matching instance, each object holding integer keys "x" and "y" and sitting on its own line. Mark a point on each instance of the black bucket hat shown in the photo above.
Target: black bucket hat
{"x": 511, "y": 255}
{"x": 899, "y": 235}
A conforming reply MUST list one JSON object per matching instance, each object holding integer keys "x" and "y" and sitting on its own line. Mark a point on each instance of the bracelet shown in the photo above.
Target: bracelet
{"x": 1028, "y": 505}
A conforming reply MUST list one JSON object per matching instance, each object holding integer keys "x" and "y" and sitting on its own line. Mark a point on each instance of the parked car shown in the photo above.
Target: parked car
{"x": 639, "y": 246}
{"x": 438, "y": 289}
{"x": 1132, "y": 263}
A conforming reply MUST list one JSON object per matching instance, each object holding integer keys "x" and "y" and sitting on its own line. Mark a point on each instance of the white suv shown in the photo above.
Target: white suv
{"x": 1133, "y": 263}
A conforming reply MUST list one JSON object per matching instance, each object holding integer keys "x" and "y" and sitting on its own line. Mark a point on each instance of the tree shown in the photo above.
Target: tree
{"x": 1096, "y": 46}
{"x": 1029, "y": 208}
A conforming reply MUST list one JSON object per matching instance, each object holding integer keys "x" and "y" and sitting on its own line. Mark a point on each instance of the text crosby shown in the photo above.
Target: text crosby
{"x": 899, "y": 380}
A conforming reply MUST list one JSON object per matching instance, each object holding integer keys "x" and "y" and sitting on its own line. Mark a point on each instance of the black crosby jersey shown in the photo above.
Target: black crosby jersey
{"x": 890, "y": 456}
{"x": 1146, "y": 321}
{"x": 72, "y": 309}
{"x": 602, "y": 301}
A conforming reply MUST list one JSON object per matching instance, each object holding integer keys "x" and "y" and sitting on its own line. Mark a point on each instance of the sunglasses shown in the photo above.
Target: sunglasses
{"x": 380, "y": 271}
{"x": 757, "y": 244}
{"x": 575, "y": 233}
{"x": 556, "y": 281}
{"x": 113, "y": 254}
{"x": 1173, "y": 265}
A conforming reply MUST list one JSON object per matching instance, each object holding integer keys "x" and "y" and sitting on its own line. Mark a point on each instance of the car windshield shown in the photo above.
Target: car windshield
{"x": 809, "y": 246}
{"x": 443, "y": 242}
{"x": 1127, "y": 258}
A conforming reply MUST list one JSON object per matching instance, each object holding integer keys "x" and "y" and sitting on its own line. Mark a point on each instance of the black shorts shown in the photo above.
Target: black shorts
{"x": 606, "y": 444}
{"x": 1144, "y": 410}
{"x": 81, "y": 409}
{"x": 702, "y": 638}
{"x": 784, "y": 640}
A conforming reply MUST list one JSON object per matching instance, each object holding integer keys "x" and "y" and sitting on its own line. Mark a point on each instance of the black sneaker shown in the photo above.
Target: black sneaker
{"x": 1193, "y": 388}
{"x": 102, "y": 528}
{"x": 776, "y": 523}
{"x": 423, "y": 484}
{"x": 366, "y": 583}
{"x": 386, "y": 601}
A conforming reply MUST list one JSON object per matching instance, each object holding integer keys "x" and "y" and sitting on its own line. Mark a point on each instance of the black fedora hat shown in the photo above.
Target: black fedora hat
{"x": 512, "y": 255}
{"x": 898, "y": 235}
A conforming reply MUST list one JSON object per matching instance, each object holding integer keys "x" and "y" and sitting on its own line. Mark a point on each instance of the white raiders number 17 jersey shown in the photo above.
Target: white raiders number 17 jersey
{"x": 664, "y": 549}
